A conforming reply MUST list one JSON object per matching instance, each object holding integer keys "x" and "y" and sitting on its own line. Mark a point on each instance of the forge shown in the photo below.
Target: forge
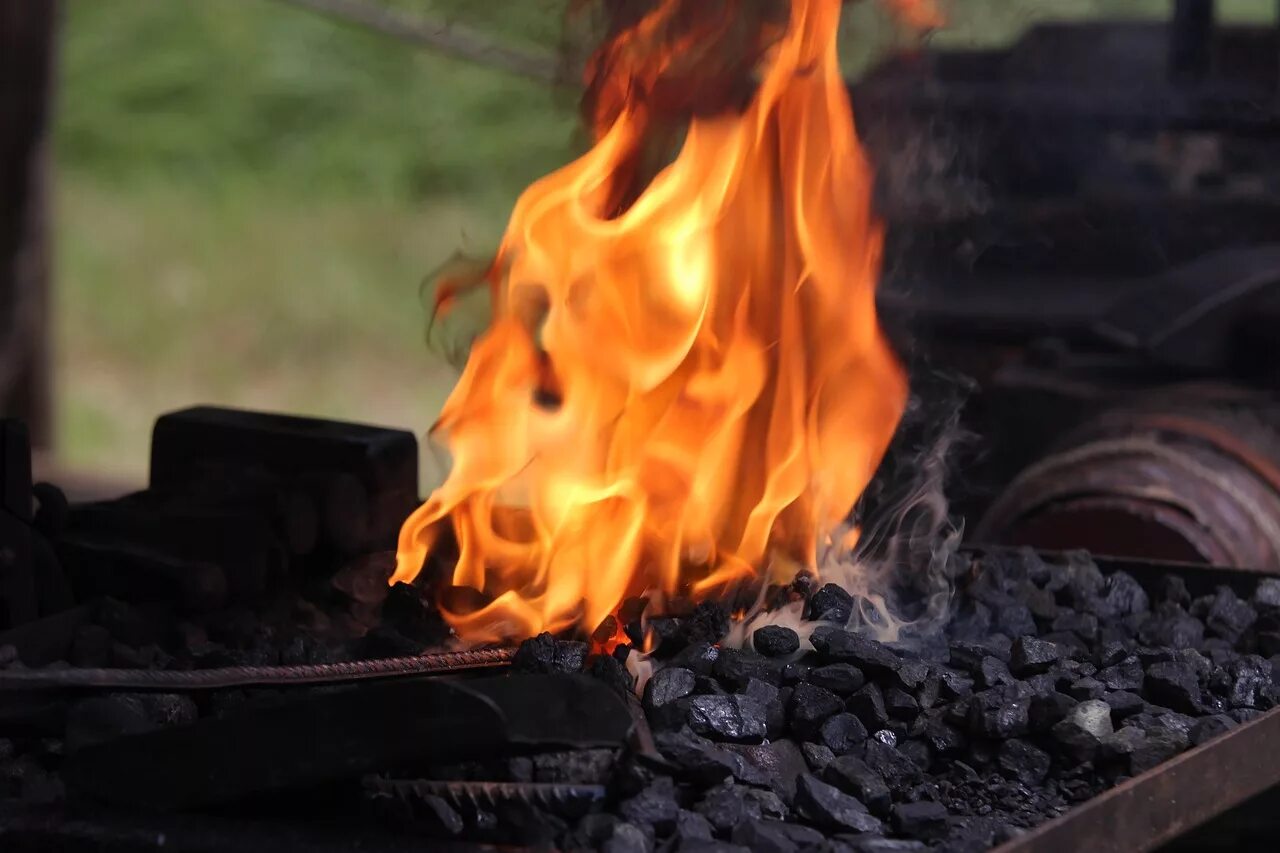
{"x": 710, "y": 569}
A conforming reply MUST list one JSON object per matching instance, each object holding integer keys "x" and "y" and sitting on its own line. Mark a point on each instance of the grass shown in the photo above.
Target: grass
{"x": 249, "y": 196}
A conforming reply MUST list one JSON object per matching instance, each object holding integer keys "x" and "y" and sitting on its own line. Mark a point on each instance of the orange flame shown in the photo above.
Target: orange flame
{"x": 683, "y": 385}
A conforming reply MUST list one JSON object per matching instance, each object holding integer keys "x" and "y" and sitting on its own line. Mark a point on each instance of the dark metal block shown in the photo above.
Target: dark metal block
{"x": 363, "y": 480}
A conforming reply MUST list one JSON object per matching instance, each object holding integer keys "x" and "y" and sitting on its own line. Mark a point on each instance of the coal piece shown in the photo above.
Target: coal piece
{"x": 829, "y": 807}
{"x": 1020, "y": 760}
{"x": 923, "y": 819}
{"x": 858, "y": 779}
{"x": 775, "y": 641}
{"x": 1174, "y": 685}
{"x": 730, "y": 717}
{"x": 809, "y": 707}
{"x": 1030, "y": 656}
{"x": 867, "y": 704}
{"x": 772, "y": 836}
{"x": 831, "y": 604}
{"x": 839, "y": 678}
{"x": 842, "y": 732}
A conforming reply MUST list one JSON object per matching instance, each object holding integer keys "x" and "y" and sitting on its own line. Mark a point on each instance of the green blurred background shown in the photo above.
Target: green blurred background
{"x": 249, "y": 196}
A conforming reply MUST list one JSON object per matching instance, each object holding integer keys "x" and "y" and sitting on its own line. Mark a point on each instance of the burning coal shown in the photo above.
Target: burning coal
{"x": 684, "y": 384}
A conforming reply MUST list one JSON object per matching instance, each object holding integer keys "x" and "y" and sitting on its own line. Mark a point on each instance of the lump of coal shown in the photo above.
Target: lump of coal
{"x": 666, "y": 687}
{"x": 655, "y": 806}
{"x": 809, "y": 707}
{"x": 1251, "y": 685}
{"x": 1123, "y": 703}
{"x": 1024, "y": 762}
{"x": 829, "y": 807}
{"x": 897, "y": 770}
{"x": 817, "y": 756}
{"x": 730, "y": 717}
{"x": 829, "y": 604}
{"x": 1229, "y": 616}
{"x": 1159, "y": 745}
{"x": 1173, "y": 685}
{"x": 699, "y": 658}
{"x": 1123, "y": 596}
{"x": 1029, "y": 656}
{"x": 708, "y": 623}
{"x": 775, "y": 640}
{"x": 1207, "y": 728}
{"x": 772, "y": 836}
{"x": 1267, "y": 595}
{"x": 736, "y": 667}
{"x": 867, "y": 704}
{"x": 609, "y": 670}
{"x": 868, "y": 655}
{"x": 841, "y": 678}
{"x": 1170, "y": 625}
{"x": 698, "y": 760}
{"x": 855, "y": 777}
{"x": 923, "y": 819}
{"x": 842, "y": 732}
{"x": 545, "y": 653}
{"x": 993, "y": 672}
{"x": 1081, "y": 731}
{"x": 1126, "y": 675}
{"x": 1000, "y": 713}
{"x": 726, "y": 806}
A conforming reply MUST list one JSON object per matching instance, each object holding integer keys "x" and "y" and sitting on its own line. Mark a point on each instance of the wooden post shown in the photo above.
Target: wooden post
{"x": 27, "y": 52}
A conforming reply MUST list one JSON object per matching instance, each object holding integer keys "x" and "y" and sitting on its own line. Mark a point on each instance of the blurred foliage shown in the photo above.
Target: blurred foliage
{"x": 249, "y": 196}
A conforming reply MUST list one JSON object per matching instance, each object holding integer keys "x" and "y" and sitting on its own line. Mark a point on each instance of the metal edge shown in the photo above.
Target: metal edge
{"x": 1168, "y": 800}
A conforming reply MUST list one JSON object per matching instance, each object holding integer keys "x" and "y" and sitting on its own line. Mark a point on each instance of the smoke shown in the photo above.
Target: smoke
{"x": 901, "y": 570}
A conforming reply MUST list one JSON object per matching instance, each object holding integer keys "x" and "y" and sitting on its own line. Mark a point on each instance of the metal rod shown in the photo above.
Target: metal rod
{"x": 245, "y": 676}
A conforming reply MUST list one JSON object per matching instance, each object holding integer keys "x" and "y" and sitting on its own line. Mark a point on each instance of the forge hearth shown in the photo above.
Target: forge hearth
{"x": 1057, "y": 695}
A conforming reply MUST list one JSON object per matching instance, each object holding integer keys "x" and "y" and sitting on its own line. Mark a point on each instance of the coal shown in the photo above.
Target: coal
{"x": 1125, "y": 675}
{"x": 900, "y": 704}
{"x": 666, "y": 687}
{"x": 831, "y": 604}
{"x": 546, "y": 654}
{"x": 1267, "y": 595}
{"x": 1250, "y": 683}
{"x": 728, "y": 805}
{"x": 1170, "y": 625}
{"x": 810, "y": 706}
{"x": 855, "y": 777}
{"x": 730, "y": 717}
{"x": 655, "y": 806}
{"x": 839, "y": 678}
{"x": 1123, "y": 703}
{"x": 1080, "y": 732}
{"x": 842, "y": 732}
{"x": 817, "y": 756}
{"x": 867, "y": 704}
{"x": 708, "y": 623}
{"x": 772, "y": 836}
{"x": 775, "y": 641}
{"x": 1159, "y": 745}
{"x": 832, "y": 809}
{"x": 897, "y": 770}
{"x": 736, "y": 667}
{"x": 699, "y": 658}
{"x": 923, "y": 819}
{"x": 1031, "y": 656}
{"x": 1000, "y": 713}
{"x": 868, "y": 655}
{"x": 992, "y": 672}
{"x": 1229, "y": 616}
{"x": 1021, "y": 760}
{"x": 1207, "y": 728}
{"x": 1174, "y": 685}
{"x": 103, "y": 718}
{"x": 698, "y": 760}
{"x": 691, "y": 826}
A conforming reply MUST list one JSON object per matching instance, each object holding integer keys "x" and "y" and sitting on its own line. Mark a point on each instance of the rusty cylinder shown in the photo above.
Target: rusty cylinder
{"x": 1183, "y": 477}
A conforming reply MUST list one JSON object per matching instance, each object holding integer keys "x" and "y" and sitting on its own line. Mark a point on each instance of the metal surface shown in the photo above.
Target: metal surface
{"x": 1189, "y": 474}
{"x": 322, "y": 738}
{"x": 1167, "y": 801}
{"x": 247, "y": 676}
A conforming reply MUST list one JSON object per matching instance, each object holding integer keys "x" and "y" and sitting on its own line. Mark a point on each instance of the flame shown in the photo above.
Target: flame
{"x": 684, "y": 382}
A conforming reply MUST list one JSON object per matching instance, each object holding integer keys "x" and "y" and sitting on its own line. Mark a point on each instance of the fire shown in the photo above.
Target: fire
{"x": 684, "y": 383}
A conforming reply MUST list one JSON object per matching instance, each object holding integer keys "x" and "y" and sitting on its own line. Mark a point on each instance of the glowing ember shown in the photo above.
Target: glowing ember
{"x": 684, "y": 383}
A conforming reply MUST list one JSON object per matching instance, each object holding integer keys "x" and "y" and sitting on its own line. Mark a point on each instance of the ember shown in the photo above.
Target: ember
{"x": 722, "y": 392}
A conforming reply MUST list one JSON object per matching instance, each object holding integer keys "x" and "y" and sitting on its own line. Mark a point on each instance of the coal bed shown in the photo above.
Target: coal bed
{"x": 1048, "y": 683}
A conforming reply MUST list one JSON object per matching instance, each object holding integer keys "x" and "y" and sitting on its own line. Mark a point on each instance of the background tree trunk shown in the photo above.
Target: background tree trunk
{"x": 27, "y": 58}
